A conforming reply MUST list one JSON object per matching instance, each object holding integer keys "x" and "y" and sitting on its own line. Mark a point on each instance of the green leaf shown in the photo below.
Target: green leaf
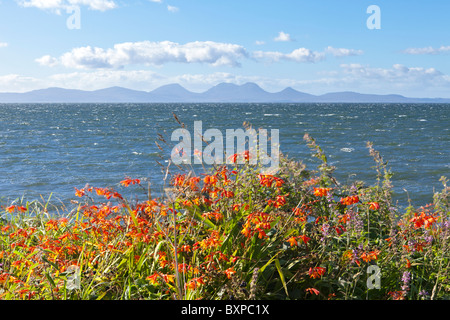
{"x": 277, "y": 264}
{"x": 50, "y": 280}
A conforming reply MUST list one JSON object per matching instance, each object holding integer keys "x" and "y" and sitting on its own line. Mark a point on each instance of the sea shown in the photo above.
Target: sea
{"x": 47, "y": 150}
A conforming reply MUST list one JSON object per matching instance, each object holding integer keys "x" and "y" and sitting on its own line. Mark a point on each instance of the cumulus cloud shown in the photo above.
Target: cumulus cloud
{"x": 172, "y": 8}
{"x": 304, "y": 55}
{"x": 160, "y": 53}
{"x": 99, "y": 79}
{"x": 19, "y": 83}
{"x": 47, "y": 61}
{"x": 282, "y": 36}
{"x": 298, "y": 55}
{"x": 343, "y": 52}
{"x": 427, "y": 50}
{"x": 149, "y": 53}
{"x": 397, "y": 74}
{"x": 57, "y": 5}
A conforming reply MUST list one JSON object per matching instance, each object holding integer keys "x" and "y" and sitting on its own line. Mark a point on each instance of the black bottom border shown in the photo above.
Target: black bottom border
{"x": 219, "y": 309}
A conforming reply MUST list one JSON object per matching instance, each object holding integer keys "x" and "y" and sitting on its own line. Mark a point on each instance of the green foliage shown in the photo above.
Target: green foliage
{"x": 231, "y": 233}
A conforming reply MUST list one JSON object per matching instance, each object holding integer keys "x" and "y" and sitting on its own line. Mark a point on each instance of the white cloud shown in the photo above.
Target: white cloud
{"x": 3, "y": 44}
{"x": 172, "y": 8}
{"x": 428, "y": 50}
{"x": 99, "y": 79}
{"x": 47, "y": 61}
{"x": 398, "y": 74}
{"x": 343, "y": 52}
{"x": 282, "y": 36}
{"x": 146, "y": 52}
{"x": 57, "y": 5}
{"x": 302, "y": 55}
{"x": 298, "y": 55}
{"x": 160, "y": 53}
{"x": 19, "y": 83}
{"x": 259, "y": 43}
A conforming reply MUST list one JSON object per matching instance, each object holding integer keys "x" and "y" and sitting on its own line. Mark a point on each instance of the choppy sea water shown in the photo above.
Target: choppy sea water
{"x": 52, "y": 148}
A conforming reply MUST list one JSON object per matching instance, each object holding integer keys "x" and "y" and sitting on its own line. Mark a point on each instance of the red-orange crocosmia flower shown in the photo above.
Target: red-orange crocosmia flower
{"x": 230, "y": 272}
{"x": 233, "y": 158}
{"x": 278, "y": 202}
{"x": 321, "y": 192}
{"x": 408, "y": 264}
{"x": 349, "y": 200}
{"x": 79, "y": 193}
{"x": 304, "y": 238}
{"x": 21, "y": 209}
{"x": 312, "y": 291}
{"x": 316, "y": 272}
{"x": 129, "y": 181}
{"x": 292, "y": 241}
{"x": 374, "y": 206}
{"x": 153, "y": 278}
{"x": 368, "y": 256}
{"x": 423, "y": 220}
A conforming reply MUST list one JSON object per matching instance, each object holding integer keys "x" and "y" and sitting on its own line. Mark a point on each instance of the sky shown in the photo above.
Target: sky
{"x": 378, "y": 46}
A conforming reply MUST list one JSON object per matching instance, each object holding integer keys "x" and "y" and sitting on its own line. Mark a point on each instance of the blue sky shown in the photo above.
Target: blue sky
{"x": 312, "y": 46}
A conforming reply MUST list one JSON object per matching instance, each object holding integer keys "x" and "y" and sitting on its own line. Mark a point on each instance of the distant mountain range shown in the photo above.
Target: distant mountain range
{"x": 224, "y": 92}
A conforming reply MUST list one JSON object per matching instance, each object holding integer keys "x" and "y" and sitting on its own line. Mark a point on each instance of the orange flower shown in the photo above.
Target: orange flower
{"x": 186, "y": 248}
{"x": 374, "y": 205}
{"x": 344, "y": 218}
{"x": 312, "y": 291}
{"x": 168, "y": 278}
{"x": 423, "y": 220}
{"x": 321, "y": 192}
{"x": 246, "y": 154}
{"x": 304, "y": 238}
{"x": 233, "y": 158}
{"x": 3, "y": 277}
{"x": 311, "y": 181}
{"x": 179, "y": 180}
{"x": 210, "y": 180}
{"x": 316, "y": 272}
{"x": 227, "y": 194}
{"x": 268, "y": 180}
{"x": 397, "y": 295}
{"x": 372, "y": 255}
{"x": 153, "y": 278}
{"x": 230, "y": 272}
{"x": 193, "y": 183}
{"x": 21, "y": 209}
{"x": 408, "y": 264}
{"x": 194, "y": 283}
{"x": 419, "y": 246}
{"x": 350, "y": 200}
{"x": 79, "y": 193}
{"x": 278, "y": 202}
{"x": 129, "y": 181}
{"x": 292, "y": 241}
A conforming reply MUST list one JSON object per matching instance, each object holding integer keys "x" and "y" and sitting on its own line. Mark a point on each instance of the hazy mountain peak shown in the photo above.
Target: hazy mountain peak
{"x": 222, "y": 92}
